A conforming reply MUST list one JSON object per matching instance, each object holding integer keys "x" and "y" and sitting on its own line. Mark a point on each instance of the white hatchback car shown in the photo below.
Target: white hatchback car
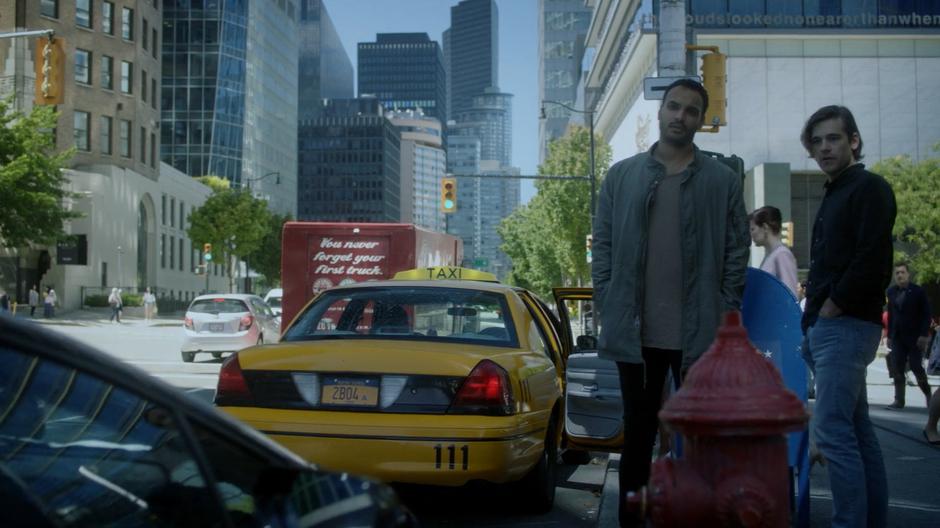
{"x": 227, "y": 322}
{"x": 273, "y": 298}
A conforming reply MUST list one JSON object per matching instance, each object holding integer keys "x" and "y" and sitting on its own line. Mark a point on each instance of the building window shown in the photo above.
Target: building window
{"x": 125, "y": 138}
{"x": 153, "y": 92}
{"x": 49, "y": 8}
{"x": 127, "y": 23}
{"x": 181, "y": 255}
{"x": 104, "y": 134}
{"x": 81, "y": 130}
{"x": 143, "y": 85}
{"x": 153, "y": 150}
{"x": 163, "y": 246}
{"x": 127, "y": 77}
{"x": 83, "y": 13}
{"x": 143, "y": 34}
{"x": 107, "y": 18}
{"x": 107, "y": 72}
{"x": 163, "y": 209}
{"x": 82, "y": 66}
{"x": 153, "y": 42}
{"x": 172, "y": 212}
{"x": 172, "y": 251}
{"x": 143, "y": 145}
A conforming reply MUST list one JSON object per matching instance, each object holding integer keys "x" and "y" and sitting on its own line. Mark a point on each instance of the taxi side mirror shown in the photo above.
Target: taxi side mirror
{"x": 586, "y": 342}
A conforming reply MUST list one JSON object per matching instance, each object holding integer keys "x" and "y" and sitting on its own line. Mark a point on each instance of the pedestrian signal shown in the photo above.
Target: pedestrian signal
{"x": 449, "y": 195}
{"x": 50, "y": 71}
{"x": 207, "y": 249}
{"x": 786, "y": 234}
{"x": 588, "y": 242}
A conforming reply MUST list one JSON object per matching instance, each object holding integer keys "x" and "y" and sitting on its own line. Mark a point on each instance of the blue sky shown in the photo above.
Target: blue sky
{"x": 359, "y": 21}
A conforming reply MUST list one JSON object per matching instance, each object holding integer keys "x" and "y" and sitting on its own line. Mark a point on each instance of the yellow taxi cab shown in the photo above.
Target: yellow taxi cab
{"x": 439, "y": 376}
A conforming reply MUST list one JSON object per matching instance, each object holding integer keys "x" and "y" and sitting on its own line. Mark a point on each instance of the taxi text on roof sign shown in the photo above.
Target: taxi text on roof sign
{"x": 445, "y": 273}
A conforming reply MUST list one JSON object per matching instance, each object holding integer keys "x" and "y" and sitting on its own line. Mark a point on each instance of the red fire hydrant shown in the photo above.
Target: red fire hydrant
{"x": 732, "y": 412}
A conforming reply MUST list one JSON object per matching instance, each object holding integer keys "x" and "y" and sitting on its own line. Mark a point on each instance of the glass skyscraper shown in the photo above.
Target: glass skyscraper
{"x": 325, "y": 69}
{"x": 489, "y": 117}
{"x": 350, "y": 164}
{"x": 474, "y": 48}
{"x": 404, "y": 71}
{"x": 218, "y": 116}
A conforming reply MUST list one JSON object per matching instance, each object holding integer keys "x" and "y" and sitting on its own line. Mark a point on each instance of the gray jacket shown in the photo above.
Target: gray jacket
{"x": 715, "y": 244}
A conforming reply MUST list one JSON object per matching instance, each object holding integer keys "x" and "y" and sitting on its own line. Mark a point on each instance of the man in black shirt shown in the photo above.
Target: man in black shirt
{"x": 850, "y": 266}
{"x": 908, "y": 331}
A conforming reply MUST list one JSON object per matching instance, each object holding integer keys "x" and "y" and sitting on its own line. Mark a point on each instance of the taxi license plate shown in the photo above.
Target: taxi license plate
{"x": 216, "y": 327}
{"x": 360, "y": 392}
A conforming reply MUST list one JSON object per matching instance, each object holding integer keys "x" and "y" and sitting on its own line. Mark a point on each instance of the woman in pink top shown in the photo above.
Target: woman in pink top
{"x": 778, "y": 260}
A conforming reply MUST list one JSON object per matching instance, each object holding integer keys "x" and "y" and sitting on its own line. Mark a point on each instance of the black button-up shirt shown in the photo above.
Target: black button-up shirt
{"x": 852, "y": 250}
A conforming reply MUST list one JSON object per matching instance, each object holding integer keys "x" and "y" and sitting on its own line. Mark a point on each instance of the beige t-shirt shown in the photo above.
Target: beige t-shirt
{"x": 662, "y": 304}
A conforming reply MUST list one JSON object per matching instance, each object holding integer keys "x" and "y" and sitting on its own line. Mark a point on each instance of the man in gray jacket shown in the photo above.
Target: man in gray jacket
{"x": 671, "y": 244}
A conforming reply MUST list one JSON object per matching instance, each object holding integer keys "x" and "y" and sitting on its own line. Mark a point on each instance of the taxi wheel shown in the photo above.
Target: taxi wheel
{"x": 538, "y": 487}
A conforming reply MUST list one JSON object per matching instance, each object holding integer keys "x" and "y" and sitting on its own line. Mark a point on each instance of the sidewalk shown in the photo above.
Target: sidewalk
{"x": 95, "y": 316}
{"x": 913, "y": 465}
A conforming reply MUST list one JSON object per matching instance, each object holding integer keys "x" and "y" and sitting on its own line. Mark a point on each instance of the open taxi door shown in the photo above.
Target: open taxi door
{"x": 593, "y": 405}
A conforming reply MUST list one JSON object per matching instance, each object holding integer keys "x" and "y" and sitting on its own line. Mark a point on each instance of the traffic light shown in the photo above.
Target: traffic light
{"x": 50, "y": 71}
{"x": 588, "y": 241}
{"x": 207, "y": 250}
{"x": 786, "y": 234}
{"x": 448, "y": 195}
{"x": 714, "y": 78}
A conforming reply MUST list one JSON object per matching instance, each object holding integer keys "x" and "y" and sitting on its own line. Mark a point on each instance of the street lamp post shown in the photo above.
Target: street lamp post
{"x": 590, "y": 116}
{"x": 277, "y": 181}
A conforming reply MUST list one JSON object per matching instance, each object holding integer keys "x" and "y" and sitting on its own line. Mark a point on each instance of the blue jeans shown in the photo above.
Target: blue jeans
{"x": 838, "y": 350}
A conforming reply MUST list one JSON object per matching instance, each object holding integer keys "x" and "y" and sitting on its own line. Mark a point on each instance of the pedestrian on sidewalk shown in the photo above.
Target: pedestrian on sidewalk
{"x": 33, "y": 301}
{"x": 115, "y": 301}
{"x": 766, "y": 223}
{"x": 908, "y": 332}
{"x": 4, "y": 302}
{"x": 49, "y": 303}
{"x": 150, "y": 304}
{"x": 850, "y": 266}
{"x": 660, "y": 307}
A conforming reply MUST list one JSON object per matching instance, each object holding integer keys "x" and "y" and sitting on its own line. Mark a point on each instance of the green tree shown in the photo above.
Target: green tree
{"x": 234, "y": 222}
{"x": 546, "y": 239}
{"x": 32, "y": 186}
{"x": 917, "y": 228}
{"x": 266, "y": 260}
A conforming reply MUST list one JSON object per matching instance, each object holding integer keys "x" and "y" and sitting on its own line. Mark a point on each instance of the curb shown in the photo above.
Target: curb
{"x": 608, "y": 514}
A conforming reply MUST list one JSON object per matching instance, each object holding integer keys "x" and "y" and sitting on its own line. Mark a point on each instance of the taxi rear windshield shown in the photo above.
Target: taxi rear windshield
{"x": 220, "y": 305}
{"x": 436, "y": 314}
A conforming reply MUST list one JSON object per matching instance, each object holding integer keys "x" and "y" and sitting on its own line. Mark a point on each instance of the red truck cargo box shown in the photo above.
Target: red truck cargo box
{"x": 316, "y": 256}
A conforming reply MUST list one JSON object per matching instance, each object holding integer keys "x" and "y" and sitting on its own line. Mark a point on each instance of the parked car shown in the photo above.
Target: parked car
{"x": 273, "y": 298}
{"x": 227, "y": 322}
{"x": 440, "y": 376}
{"x": 88, "y": 440}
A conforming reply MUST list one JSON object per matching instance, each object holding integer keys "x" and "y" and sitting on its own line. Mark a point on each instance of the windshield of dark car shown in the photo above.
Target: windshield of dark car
{"x": 424, "y": 313}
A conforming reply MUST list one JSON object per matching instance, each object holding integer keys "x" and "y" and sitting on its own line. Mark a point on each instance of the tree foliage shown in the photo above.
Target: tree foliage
{"x": 266, "y": 260}
{"x": 546, "y": 238}
{"x": 32, "y": 186}
{"x": 917, "y": 228}
{"x": 234, "y": 222}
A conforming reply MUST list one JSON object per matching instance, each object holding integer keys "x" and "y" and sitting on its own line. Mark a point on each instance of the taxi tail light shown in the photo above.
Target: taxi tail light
{"x": 188, "y": 322}
{"x": 245, "y": 322}
{"x": 232, "y": 387}
{"x": 485, "y": 391}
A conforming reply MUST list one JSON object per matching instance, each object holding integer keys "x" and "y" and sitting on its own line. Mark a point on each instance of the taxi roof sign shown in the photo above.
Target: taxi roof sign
{"x": 445, "y": 273}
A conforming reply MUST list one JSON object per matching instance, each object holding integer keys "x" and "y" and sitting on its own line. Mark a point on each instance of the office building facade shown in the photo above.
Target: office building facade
{"x": 221, "y": 117}
{"x": 423, "y": 165}
{"x": 489, "y": 118}
{"x": 350, "y": 164}
{"x": 879, "y": 60}
{"x": 563, "y": 26}
{"x": 473, "y": 53}
{"x": 325, "y": 69}
{"x": 404, "y": 71}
